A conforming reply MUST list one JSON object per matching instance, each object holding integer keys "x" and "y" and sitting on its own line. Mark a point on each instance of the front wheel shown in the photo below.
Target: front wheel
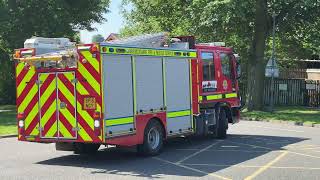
{"x": 153, "y": 139}
{"x": 222, "y": 124}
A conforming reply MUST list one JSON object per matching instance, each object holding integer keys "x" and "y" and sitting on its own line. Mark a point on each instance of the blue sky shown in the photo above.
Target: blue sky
{"x": 113, "y": 24}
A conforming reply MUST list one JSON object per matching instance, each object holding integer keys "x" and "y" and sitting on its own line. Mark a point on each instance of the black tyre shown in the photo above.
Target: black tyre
{"x": 82, "y": 148}
{"x": 153, "y": 139}
{"x": 222, "y": 124}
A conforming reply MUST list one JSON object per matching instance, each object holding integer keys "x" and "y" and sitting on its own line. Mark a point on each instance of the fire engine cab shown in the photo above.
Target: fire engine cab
{"x": 124, "y": 94}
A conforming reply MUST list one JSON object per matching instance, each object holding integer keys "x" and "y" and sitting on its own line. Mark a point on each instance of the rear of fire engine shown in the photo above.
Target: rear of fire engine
{"x": 84, "y": 96}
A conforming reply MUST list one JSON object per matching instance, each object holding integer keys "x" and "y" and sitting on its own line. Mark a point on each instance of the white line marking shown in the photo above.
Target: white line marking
{"x": 255, "y": 146}
{"x": 302, "y": 154}
{"x": 250, "y": 166}
{"x": 229, "y": 146}
{"x": 192, "y": 169}
{"x": 198, "y": 152}
{"x": 265, "y": 167}
{"x": 222, "y": 150}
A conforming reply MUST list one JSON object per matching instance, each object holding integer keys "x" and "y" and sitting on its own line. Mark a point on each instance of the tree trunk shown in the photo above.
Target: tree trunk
{"x": 256, "y": 59}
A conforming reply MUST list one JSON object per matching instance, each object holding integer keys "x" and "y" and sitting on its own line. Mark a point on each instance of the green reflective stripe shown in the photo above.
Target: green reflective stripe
{"x": 119, "y": 121}
{"x": 147, "y": 52}
{"x": 214, "y": 97}
{"x": 178, "y": 113}
{"x": 218, "y": 96}
{"x": 231, "y": 95}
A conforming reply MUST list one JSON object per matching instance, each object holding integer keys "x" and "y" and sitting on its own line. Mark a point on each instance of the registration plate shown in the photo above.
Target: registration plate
{"x": 89, "y": 103}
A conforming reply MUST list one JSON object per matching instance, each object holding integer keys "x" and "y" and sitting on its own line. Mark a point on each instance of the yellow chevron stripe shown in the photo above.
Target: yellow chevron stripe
{"x": 19, "y": 68}
{"x": 69, "y": 75}
{"x": 52, "y": 130}
{"x": 45, "y": 95}
{"x": 31, "y": 115}
{"x": 85, "y": 136}
{"x": 70, "y": 118}
{"x": 85, "y": 115}
{"x": 35, "y": 131}
{"x": 46, "y": 116}
{"x": 64, "y": 131}
{"x": 28, "y": 98}
{"x": 81, "y": 89}
{"x": 24, "y": 81}
{"x": 65, "y": 91}
{"x": 93, "y": 61}
{"x": 90, "y": 79}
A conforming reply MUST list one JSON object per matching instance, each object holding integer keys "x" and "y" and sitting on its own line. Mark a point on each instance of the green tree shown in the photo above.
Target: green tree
{"x": 20, "y": 20}
{"x": 97, "y": 38}
{"x": 244, "y": 24}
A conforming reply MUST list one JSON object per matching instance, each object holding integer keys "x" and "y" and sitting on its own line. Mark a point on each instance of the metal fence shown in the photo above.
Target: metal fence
{"x": 293, "y": 92}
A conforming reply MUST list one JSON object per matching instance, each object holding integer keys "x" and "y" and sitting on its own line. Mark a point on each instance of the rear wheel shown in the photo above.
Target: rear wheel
{"x": 82, "y": 148}
{"x": 222, "y": 124}
{"x": 153, "y": 139}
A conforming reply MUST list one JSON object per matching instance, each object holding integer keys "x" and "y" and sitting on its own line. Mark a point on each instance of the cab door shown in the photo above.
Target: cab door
{"x": 227, "y": 80}
{"x": 66, "y": 105}
{"x": 209, "y": 79}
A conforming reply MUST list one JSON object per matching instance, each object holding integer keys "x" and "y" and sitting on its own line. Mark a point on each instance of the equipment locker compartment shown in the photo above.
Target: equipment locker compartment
{"x": 138, "y": 84}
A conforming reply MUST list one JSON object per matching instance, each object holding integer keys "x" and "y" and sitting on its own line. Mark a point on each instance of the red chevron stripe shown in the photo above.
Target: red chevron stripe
{"x": 80, "y": 138}
{"x": 88, "y": 87}
{"x": 21, "y": 76}
{"x": 70, "y": 107}
{"x": 87, "y": 128}
{"x": 32, "y": 103}
{"x": 48, "y": 103}
{"x": 92, "y": 71}
{"x": 50, "y": 122}
{"x": 60, "y": 134}
{"x": 32, "y": 125}
{"x": 67, "y": 83}
{"x": 27, "y": 89}
{"x": 66, "y": 124}
{"x": 47, "y": 82}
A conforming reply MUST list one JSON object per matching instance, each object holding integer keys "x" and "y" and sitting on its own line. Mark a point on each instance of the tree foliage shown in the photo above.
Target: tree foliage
{"x": 244, "y": 24}
{"x": 97, "y": 38}
{"x": 22, "y": 19}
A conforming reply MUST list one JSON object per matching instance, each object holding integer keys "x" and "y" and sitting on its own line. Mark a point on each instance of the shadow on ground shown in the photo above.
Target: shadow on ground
{"x": 236, "y": 149}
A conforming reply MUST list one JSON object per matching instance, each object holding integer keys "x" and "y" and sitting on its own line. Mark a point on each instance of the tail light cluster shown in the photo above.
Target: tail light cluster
{"x": 97, "y": 123}
{"x": 21, "y": 123}
{"x": 21, "y": 53}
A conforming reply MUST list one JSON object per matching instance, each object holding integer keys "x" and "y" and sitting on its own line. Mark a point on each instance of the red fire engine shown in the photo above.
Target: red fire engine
{"x": 124, "y": 95}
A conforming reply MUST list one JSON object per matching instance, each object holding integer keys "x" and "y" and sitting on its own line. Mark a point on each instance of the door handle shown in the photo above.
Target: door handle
{"x": 63, "y": 105}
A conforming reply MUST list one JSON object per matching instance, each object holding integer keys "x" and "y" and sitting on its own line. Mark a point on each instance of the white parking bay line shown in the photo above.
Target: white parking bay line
{"x": 193, "y": 169}
{"x": 198, "y": 152}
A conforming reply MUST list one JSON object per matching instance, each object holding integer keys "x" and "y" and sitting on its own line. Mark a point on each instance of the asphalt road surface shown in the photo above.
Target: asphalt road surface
{"x": 253, "y": 150}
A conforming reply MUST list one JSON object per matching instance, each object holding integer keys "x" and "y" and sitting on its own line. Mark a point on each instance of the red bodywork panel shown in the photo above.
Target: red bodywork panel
{"x": 141, "y": 123}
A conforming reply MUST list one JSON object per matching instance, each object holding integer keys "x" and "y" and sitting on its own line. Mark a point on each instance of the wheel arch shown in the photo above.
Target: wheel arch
{"x": 161, "y": 123}
{"x": 227, "y": 107}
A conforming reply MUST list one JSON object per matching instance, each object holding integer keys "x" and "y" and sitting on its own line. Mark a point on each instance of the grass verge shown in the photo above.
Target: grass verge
{"x": 292, "y": 113}
{"x": 8, "y": 123}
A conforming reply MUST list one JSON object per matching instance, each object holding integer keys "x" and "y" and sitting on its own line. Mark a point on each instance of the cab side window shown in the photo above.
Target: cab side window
{"x": 208, "y": 66}
{"x": 225, "y": 64}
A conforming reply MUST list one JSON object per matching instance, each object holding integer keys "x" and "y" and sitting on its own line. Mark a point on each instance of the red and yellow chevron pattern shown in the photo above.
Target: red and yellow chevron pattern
{"x": 27, "y": 97}
{"x": 89, "y": 84}
{"x": 52, "y": 102}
